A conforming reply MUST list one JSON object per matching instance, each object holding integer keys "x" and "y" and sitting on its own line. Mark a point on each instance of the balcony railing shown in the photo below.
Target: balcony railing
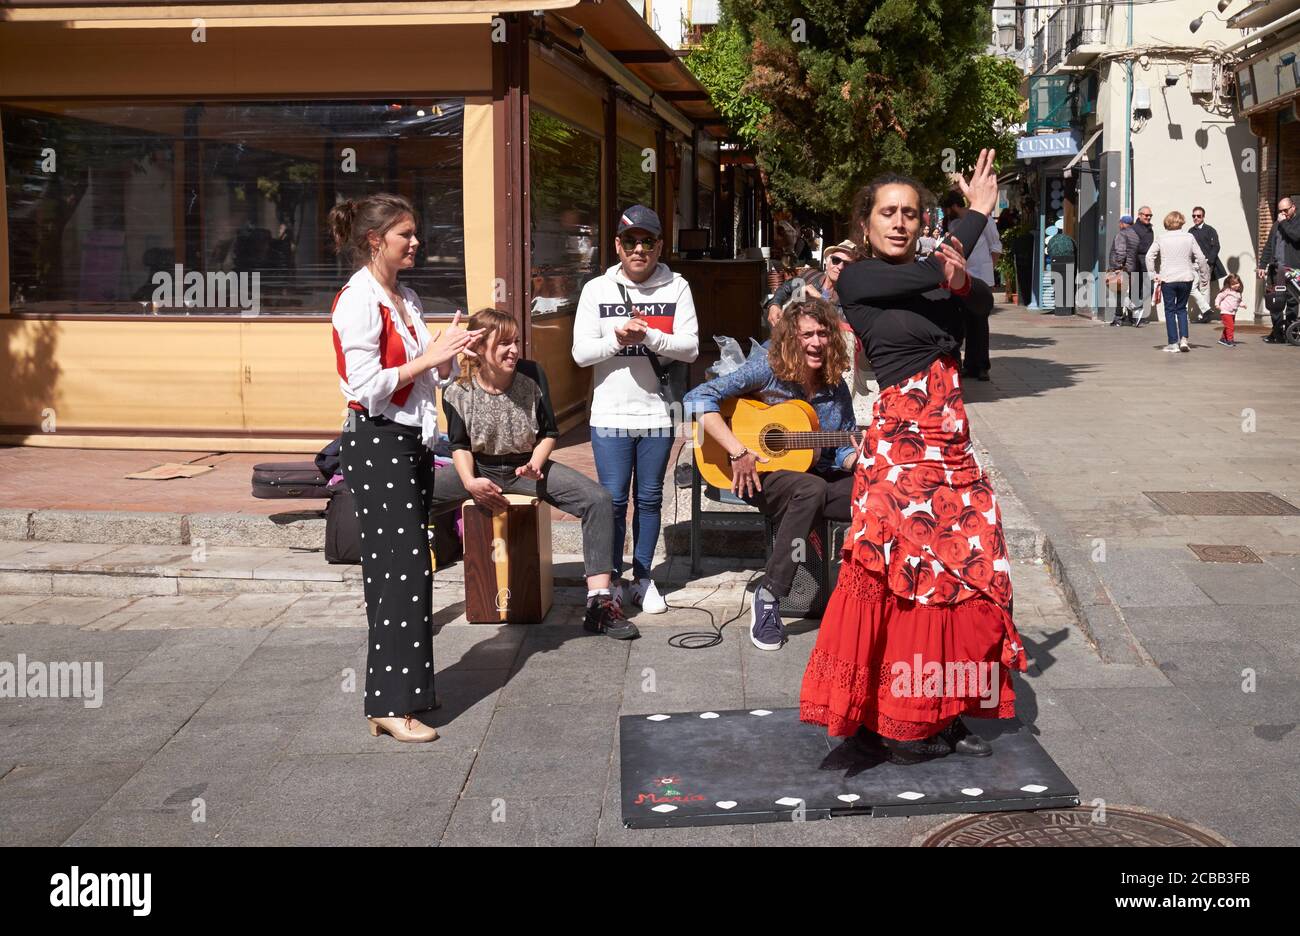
{"x": 1070, "y": 32}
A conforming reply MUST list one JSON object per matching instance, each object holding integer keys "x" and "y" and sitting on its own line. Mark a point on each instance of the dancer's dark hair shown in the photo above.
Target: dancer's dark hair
{"x": 865, "y": 200}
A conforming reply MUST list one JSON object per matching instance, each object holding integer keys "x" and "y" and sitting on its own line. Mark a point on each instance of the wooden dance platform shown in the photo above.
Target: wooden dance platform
{"x": 734, "y": 767}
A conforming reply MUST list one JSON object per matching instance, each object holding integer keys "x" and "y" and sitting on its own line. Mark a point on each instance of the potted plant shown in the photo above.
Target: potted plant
{"x": 1007, "y": 262}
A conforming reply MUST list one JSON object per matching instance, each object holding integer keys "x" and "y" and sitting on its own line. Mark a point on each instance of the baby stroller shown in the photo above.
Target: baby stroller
{"x": 1286, "y": 288}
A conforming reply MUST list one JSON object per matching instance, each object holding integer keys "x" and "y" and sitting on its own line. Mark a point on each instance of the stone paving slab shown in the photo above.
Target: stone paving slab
{"x": 35, "y": 805}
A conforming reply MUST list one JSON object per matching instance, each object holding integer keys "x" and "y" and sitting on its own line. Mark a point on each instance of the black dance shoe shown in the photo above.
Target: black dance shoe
{"x": 914, "y": 752}
{"x": 962, "y": 741}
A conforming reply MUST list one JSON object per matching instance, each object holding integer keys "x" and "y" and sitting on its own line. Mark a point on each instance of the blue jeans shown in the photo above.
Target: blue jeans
{"x": 1175, "y": 299}
{"x": 619, "y": 453}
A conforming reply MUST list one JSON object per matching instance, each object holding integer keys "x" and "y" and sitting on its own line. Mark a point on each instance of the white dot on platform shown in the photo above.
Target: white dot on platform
{"x": 658, "y": 717}
{"x": 788, "y": 801}
{"x": 708, "y": 714}
{"x": 911, "y": 795}
{"x": 1033, "y": 788}
{"x": 972, "y": 791}
{"x": 726, "y": 804}
{"x": 664, "y": 807}
{"x": 760, "y": 712}
{"x": 848, "y": 797}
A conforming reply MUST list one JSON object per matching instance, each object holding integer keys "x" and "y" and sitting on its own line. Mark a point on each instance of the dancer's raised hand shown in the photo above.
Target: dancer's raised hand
{"x": 981, "y": 190}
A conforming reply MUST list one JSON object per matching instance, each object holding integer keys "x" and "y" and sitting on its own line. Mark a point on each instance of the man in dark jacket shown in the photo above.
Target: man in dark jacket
{"x": 1281, "y": 250}
{"x": 1146, "y": 237}
{"x": 1207, "y": 238}
{"x": 1121, "y": 266}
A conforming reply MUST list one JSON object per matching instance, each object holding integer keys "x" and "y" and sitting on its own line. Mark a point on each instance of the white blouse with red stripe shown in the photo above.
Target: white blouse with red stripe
{"x": 371, "y": 343}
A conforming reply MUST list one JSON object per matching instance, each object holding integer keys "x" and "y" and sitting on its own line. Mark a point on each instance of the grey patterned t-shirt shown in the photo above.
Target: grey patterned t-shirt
{"x": 500, "y": 427}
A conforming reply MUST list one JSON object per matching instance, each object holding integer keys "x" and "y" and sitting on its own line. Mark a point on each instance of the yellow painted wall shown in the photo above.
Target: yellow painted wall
{"x": 47, "y": 61}
{"x": 242, "y": 375}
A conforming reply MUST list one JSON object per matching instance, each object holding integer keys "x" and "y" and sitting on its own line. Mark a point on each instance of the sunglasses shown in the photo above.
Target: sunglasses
{"x": 837, "y": 260}
{"x": 629, "y": 243}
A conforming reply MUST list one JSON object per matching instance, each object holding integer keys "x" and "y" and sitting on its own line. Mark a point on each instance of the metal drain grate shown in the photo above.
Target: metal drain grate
{"x": 1221, "y": 553}
{"x": 1063, "y": 828}
{"x": 1222, "y": 503}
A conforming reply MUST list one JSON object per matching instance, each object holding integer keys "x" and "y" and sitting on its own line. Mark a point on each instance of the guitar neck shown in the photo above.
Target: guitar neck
{"x": 813, "y": 440}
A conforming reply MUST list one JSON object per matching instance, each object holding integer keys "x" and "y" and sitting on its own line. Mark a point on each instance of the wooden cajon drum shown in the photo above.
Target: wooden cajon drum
{"x": 508, "y": 576}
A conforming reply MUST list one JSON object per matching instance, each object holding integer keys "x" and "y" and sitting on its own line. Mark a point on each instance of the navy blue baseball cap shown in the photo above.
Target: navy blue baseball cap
{"x": 1126, "y": 219}
{"x": 641, "y": 218}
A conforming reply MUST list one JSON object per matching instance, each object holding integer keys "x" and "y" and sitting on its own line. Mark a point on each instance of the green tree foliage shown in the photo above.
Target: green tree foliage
{"x": 721, "y": 63}
{"x": 836, "y": 91}
{"x": 992, "y": 112}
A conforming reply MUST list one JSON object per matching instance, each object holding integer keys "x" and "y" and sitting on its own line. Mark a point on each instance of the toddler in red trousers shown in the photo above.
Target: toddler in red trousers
{"x": 1228, "y": 301}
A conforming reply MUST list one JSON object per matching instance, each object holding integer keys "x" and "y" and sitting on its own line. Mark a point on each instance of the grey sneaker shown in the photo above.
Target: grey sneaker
{"x": 765, "y": 627}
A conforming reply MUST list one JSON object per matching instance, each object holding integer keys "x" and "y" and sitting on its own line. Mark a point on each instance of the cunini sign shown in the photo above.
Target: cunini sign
{"x": 1047, "y": 145}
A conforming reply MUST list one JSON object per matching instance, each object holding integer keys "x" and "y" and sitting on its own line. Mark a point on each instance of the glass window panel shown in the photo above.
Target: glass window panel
{"x": 704, "y": 209}
{"x": 565, "y": 205}
{"x": 235, "y": 193}
{"x": 635, "y": 185}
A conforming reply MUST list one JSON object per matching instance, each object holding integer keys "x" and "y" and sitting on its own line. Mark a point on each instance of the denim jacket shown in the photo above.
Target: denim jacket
{"x": 754, "y": 378}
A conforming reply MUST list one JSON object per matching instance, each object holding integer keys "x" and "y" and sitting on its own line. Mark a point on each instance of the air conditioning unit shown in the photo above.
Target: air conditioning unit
{"x": 1202, "y": 78}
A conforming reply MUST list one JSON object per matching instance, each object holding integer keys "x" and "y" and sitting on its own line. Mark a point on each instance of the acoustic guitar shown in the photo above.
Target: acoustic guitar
{"x": 787, "y": 433}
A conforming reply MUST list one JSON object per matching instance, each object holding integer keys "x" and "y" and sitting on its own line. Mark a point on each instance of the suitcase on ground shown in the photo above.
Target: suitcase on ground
{"x": 342, "y": 528}
{"x": 445, "y": 540}
{"x": 288, "y": 480}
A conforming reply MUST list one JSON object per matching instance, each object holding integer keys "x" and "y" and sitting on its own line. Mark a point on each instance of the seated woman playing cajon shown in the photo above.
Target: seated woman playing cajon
{"x": 502, "y": 430}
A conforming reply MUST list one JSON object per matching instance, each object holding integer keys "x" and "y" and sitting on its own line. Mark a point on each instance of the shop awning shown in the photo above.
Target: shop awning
{"x": 133, "y": 14}
{"x": 1083, "y": 150}
{"x": 621, "y": 31}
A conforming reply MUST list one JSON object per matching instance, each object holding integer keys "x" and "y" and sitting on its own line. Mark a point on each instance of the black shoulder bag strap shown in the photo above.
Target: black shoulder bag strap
{"x": 656, "y": 365}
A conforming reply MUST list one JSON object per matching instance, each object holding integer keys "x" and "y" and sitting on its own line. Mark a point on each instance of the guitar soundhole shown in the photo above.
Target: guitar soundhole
{"x": 772, "y": 439}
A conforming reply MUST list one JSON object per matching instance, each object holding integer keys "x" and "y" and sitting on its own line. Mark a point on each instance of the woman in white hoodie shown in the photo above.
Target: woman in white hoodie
{"x": 632, "y": 323}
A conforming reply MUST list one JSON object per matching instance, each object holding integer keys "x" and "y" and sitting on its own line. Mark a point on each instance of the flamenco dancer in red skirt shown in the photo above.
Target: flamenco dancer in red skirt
{"x": 918, "y": 631}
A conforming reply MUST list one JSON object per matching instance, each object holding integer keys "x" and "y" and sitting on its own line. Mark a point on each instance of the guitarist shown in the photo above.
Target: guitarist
{"x": 806, "y": 360}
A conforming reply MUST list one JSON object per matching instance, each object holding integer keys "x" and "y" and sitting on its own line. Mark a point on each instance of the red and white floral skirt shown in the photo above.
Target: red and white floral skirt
{"x": 918, "y": 629}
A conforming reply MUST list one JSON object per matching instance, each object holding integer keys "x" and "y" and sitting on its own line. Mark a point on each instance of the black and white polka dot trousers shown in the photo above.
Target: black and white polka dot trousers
{"x": 390, "y": 473}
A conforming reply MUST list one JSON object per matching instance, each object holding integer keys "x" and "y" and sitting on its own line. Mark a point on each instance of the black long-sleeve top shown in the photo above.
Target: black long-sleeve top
{"x": 903, "y": 318}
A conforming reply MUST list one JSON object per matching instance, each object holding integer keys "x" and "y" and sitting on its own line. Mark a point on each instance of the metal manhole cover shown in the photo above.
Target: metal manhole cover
{"x": 1222, "y": 503}
{"x": 1125, "y": 827}
{"x": 1222, "y": 553}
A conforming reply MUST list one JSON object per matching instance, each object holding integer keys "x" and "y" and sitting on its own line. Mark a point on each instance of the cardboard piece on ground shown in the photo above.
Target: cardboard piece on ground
{"x": 168, "y": 471}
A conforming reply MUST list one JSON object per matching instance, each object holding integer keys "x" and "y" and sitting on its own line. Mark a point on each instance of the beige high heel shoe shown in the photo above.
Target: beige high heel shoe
{"x": 405, "y": 728}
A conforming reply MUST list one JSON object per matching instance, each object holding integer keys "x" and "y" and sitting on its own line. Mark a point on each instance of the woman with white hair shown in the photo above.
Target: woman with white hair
{"x": 1177, "y": 261}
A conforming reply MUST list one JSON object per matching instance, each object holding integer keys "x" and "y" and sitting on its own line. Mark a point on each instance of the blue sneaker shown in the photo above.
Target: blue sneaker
{"x": 765, "y": 627}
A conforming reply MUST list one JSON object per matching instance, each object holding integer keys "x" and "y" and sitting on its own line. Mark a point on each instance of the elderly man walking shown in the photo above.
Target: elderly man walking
{"x": 1123, "y": 263}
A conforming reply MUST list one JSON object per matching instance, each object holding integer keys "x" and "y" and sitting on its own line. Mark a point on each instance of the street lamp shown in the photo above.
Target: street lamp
{"x": 1196, "y": 23}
